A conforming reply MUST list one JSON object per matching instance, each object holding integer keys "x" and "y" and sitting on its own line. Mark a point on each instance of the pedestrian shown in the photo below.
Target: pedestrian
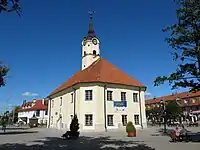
{"x": 183, "y": 133}
{"x": 4, "y": 124}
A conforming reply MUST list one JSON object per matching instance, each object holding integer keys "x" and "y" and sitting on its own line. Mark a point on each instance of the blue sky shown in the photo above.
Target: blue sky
{"x": 43, "y": 47}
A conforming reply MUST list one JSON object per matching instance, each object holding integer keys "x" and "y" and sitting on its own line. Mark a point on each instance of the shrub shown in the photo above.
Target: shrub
{"x": 74, "y": 126}
{"x": 130, "y": 127}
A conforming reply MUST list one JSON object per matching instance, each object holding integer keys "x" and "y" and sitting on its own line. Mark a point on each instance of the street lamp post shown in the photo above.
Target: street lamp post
{"x": 164, "y": 112}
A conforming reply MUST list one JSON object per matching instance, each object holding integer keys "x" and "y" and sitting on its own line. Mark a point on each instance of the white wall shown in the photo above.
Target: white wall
{"x": 96, "y": 107}
{"x": 88, "y": 49}
{"x": 42, "y": 117}
{"x": 29, "y": 114}
{"x": 60, "y": 112}
{"x": 133, "y": 108}
{"x": 88, "y": 107}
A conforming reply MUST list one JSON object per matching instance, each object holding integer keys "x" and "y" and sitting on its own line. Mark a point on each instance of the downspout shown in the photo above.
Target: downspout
{"x": 105, "y": 122}
{"x": 49, "y": 113}
{"x": 74, "y": 101}
{"x": 140, "y": 108}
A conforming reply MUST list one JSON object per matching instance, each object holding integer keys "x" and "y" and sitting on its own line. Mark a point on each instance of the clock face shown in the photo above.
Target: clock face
{"x": 84, "y": 42}
{"x": 94, "y": 41}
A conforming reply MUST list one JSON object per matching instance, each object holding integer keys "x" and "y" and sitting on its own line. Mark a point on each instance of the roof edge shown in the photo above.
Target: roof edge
{"x": 49, "y": 96}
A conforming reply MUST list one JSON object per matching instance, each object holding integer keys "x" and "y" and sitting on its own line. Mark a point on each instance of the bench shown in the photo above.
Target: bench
{"x": 194, "y": 124}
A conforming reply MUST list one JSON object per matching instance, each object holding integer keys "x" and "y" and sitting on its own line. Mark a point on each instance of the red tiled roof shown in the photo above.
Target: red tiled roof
{"x": 37, "y": 105}
{"x": 100, "y": 71}
{"x": 172, "y": 97}
{"x": 27, "y": 104}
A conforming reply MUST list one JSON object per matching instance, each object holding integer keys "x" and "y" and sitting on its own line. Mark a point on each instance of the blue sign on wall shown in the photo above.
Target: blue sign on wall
{"x": 120, "y": 103}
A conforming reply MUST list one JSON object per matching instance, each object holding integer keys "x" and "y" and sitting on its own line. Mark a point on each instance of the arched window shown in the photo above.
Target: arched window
{"x": 84, "y": 53}
{"x": 94, "y": 52}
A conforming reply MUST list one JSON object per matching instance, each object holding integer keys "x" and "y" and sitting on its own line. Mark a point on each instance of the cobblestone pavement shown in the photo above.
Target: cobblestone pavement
{"x": 50, "y": 139}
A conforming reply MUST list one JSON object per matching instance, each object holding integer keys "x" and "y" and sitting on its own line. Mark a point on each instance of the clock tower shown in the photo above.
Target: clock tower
{"x": 90, "y": 46}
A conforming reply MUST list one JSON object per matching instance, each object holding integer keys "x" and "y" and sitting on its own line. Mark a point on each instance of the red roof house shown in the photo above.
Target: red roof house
{"x": 34, "y": 105}
{"x": 183, "y": 96}
{"x": 100, "y": 71}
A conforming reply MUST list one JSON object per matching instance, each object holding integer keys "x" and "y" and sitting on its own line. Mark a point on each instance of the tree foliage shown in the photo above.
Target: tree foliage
{"x": 185, "y": 40}
{"x": 16, "y": 113}
{"x": 173, "y": 109}
{"x": 155, "y": 111}
{"x": 9, "y": 6}
{"x": 3, "y": 73}
{"x": 4, "y": 119}
{"x": 15, "y": 109}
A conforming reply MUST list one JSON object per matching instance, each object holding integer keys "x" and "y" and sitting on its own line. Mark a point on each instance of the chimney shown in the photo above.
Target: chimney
{"x": 34, "y": 100}
{"x": 24, "y": 101}
{"x": 43, "y": 101}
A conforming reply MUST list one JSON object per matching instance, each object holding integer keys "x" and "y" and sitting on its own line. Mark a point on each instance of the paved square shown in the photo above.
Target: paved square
{"x": 146, "y": 139}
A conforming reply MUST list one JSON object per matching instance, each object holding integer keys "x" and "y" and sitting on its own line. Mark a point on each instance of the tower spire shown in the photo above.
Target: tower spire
{"x": 91, "y": 32}
{"x": 90, "y": 45}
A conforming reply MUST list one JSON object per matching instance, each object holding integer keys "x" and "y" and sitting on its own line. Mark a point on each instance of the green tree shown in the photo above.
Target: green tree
{"x": 153, "y": 111}
{"x": 173, "y": 109}
{"x": 14, "y": 117}
{"x": 9, "y": 6}
{"x": 3, "y": 73}
{"x": 16, "y": 113}
{"x": 185, "y": 40}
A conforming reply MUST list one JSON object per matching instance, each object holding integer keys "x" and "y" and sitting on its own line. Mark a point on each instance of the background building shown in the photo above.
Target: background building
{"x": 188, "y": 101}
{"x": 37, "y": 108}
{"x": 102, "y": 96}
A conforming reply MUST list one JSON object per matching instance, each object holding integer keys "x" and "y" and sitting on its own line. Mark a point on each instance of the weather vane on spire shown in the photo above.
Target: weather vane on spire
{"x": 91, "y": 12}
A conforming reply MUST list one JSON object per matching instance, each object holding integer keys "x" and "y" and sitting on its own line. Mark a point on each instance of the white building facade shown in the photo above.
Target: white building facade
{"x": 37, "y": 108}
{"x": 101, "y": 95}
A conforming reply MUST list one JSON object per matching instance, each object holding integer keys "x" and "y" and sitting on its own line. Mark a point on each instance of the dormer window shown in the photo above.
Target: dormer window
{"x": 94, "y": 52}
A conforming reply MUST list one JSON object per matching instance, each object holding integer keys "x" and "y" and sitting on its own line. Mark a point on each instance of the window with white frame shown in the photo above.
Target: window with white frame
{"x": 135, "y": 97}
{"x": 60, "y": 101}
{"x": 124, "y": 120}
{"x": 123, "y": 96}
{"x": 109, "y": 95}
{"x": 136, "y": 119}
{"x": 52, "y": 103}
{"x": 110, "y": 120}
{"x": 88, "y": 95}
{"x": 88, "y": 120}
{"x": 37, "y": 113}
{"x": 46, "y": 112}
{"x": 72, "y": 97}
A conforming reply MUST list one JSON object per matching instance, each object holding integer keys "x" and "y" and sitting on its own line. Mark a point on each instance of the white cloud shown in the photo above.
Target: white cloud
{"x": 29, "y": 94}
{"x": 147, "y": 94}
